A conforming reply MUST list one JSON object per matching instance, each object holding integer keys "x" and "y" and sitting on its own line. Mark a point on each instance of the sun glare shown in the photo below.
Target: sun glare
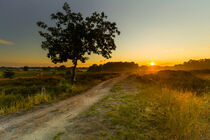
{"x": 152, "y": 63}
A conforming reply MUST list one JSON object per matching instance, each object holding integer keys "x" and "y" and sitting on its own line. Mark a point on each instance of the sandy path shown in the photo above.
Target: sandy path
{"x": 44, "y": 123}
{"x": 91, "y": 127}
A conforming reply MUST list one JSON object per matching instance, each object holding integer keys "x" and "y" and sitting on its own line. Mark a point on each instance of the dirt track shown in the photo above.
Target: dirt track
{"x": 46, "y": 122}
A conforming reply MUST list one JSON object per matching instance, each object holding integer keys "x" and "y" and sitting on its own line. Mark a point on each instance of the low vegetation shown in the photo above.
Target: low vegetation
{"x": 181, "y": 81}
{"x": 141, "y": 109}
{"x": 26, "y": 92}
{"x": 8, "y": 74}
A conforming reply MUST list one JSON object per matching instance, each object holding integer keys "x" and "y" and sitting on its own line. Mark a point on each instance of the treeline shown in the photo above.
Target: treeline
{"x": 26, "y": 68}
{"x": 194, "y": 65}
{"x": 114, "y": 66}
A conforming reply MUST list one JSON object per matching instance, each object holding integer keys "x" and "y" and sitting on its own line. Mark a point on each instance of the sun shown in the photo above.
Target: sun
{"x": 152, "y": 63}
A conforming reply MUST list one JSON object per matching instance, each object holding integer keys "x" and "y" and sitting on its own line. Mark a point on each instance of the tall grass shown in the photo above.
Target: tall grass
{"x": 155, "y": 113}
{"x": 150, "y": 111}
{"x": 181, "y": 81}
{"x": 23, "y": 94}
{"x": 12, "y": 103}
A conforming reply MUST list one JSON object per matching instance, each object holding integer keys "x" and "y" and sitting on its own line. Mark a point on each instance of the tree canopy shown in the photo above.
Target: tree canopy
{"x": 74, "y": 37}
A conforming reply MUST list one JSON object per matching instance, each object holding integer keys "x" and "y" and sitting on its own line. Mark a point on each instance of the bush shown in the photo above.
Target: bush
{"x": 8, "y": 74}
{"x": 25, "y": 68}
{"x": 68, "y": 73}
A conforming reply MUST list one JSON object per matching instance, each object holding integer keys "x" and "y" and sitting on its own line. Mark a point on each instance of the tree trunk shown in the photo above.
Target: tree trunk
{"x": 73, "y": 73}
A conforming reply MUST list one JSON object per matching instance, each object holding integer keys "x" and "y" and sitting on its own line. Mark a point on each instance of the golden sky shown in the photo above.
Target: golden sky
{"x": 163, "y": 31}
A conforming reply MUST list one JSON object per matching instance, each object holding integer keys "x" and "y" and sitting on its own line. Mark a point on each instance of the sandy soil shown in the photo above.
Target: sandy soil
{"x": 46, "y": 122}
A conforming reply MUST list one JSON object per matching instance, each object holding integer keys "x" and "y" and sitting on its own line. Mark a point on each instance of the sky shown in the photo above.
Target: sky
{"x": 167, "y": 32}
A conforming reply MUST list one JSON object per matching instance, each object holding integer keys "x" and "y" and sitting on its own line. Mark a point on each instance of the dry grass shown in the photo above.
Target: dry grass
{"x": 24, "y": 94}
{"x": 149, "y": 113}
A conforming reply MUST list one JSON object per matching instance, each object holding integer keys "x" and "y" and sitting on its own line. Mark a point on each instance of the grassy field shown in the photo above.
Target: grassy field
{"x": 203, "y": 74}
{"x": 145, "y": 108}
{"x": 33, "y": 73}
{"x": 28, "y": 89}
{"x": 181, "y": 81}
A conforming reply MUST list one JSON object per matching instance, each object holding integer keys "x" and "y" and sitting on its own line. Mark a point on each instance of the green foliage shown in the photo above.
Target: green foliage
{"x": 74, "y": 37}
{"x": 156, "y": 114}
{"x": 65, "y": 86}
{"x": 116, "y": 88}
{"x": 149, "y": 112}
{"x": 57, "y": 136}
{"x": 25, "y": 93}
{"x": 8, "y": 74}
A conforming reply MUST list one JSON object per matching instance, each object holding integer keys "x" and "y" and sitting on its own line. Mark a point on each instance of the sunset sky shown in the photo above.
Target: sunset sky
{"x": 164, "y": 31}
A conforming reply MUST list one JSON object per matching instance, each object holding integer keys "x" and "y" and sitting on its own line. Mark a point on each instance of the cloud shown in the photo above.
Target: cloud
{"x": 4, "y": 42}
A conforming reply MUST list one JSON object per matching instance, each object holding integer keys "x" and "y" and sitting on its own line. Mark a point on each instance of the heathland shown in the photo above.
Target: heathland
{"x": 29, "y": 88}
{"x": 164, "y": 105}
{"x": 144, "y": 104}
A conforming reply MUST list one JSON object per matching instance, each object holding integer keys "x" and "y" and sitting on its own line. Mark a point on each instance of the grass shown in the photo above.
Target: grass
{"x": 33, "y": 73}
{"x": 159, "y": 114}
{"x": 203, "y": 74}
{"x": 25, "y": 93}
{"x": 11, "y": 103}
{"x": 181, "y": 81}
{"x": 57, "y": 136}
{"x": 150, "y": 112}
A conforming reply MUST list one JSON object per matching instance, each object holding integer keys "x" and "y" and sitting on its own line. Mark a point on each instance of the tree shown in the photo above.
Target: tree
{"x": 95, "y": 68}
{"x": 73, "y": 37}
{"x": 46, "y": 68}
{"x": 62, "y": 67}
{"x": 25, "y": 68}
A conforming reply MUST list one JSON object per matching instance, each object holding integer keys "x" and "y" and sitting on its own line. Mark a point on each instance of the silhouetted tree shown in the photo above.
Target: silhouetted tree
{"x": 120, "y": 66}
{"x": 25, "y": 68}
{"x": 95, "y": 68}
{"x": 194, "y": 65}
{"x": 62, "y": 67}
{"x": 73, "y": 36}
{"x": 114, "y": 66}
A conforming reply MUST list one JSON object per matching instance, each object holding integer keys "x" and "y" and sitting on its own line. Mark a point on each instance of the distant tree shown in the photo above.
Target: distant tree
{"x": 73, "y": 37}
{"x": 8, "y": 74}
{"x": 62, "y": 67}
{"x": 114, "y": 66}
{"x": 95, "y": 68}
{"x": 46, "y": 68}
{"x": 25, "y": 68}
{"x": 194, "y": 65}
{"x": 120, "y": 66}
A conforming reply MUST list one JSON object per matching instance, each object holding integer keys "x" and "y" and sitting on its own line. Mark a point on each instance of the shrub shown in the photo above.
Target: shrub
{"x": 8, "y": 74}
{"x": 68, "y": 73}
{"x": 25, "y": 68}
